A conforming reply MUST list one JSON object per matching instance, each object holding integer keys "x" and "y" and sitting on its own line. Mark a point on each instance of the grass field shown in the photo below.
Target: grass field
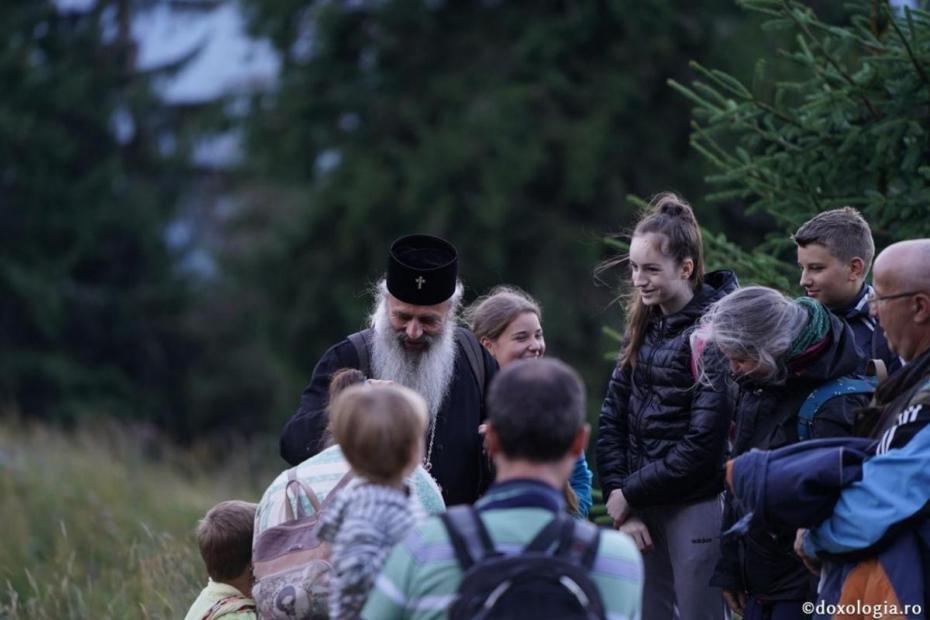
{"x": 98, "y": 523}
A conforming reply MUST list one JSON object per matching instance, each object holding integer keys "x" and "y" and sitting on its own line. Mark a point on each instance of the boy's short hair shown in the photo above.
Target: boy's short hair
{"x": 224, "y": 536}
{"x": 536, "y": 408}
{"x": 377, "y": 427}
{"x": 844, "y": 232}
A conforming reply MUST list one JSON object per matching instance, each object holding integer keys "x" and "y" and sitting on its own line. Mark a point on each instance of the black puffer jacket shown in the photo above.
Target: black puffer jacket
{"x": 763, "y": 563}
{"x": 662, "y": 436}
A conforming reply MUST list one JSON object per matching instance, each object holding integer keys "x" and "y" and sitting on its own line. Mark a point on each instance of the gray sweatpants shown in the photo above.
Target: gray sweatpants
{"x": 686, "y": 547}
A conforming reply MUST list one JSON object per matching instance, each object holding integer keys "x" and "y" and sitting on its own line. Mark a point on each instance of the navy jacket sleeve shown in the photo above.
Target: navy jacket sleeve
{"x": 699, "y": 454}
{"x": 613, "y": 433}
{"x": 302, "y": 436}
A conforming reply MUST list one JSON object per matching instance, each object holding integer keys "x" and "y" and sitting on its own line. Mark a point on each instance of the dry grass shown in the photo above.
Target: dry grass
{"x": 98, "y": 523}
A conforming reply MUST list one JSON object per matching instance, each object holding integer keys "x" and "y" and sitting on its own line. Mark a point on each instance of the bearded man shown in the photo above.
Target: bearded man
{"x": 413, "y": 340}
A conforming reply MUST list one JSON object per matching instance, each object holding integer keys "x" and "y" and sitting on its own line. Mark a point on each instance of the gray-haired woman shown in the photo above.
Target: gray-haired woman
{"x": 779, "y": 351}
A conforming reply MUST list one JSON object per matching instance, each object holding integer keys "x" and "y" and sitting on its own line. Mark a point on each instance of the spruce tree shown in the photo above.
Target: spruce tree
{"x": 850, "y": 126}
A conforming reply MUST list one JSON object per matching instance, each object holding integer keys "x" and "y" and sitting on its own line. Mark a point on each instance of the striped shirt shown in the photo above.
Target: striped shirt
{"x": 321, "y": 473}
{"x": 421, "y": 575}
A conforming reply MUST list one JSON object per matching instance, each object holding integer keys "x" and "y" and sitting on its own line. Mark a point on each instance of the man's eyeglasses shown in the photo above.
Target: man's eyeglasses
{"x": 873, "y": 299}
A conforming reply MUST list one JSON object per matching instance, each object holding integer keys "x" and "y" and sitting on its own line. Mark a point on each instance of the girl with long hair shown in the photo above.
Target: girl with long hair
{"x": 662, "y": 434}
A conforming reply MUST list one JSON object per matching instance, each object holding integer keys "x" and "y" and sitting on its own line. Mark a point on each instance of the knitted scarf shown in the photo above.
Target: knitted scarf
{"x": 817, "y": 328}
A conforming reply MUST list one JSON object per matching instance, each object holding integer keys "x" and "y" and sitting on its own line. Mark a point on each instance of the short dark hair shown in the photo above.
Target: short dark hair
{"x": 844, "y": 232}
{"x": 224, "y": 536}
{"x": 536, "y": 408}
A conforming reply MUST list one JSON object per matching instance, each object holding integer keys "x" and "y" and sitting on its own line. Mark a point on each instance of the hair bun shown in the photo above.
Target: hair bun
{"x": 673, "y": 205}
{"x": 673, "y": 209}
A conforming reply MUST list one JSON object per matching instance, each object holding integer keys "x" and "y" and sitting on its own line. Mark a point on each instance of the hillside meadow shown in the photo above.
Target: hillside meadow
{"x": 98, "y": 522}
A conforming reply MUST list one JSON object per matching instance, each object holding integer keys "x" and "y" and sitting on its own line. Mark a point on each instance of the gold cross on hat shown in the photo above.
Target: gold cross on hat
{"x": 420, "y": 282}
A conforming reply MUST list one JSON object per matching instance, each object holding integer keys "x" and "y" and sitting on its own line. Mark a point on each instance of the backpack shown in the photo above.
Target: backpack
{"x": 291, "y": 565}
{"x": 229, "y": 605}
{"x": 538, "y": 583}
{"x": 829, "y": 390}
{"x": 466, "y": 339}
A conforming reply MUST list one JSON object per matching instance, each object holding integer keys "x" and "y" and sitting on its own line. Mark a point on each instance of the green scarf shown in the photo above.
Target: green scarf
{"x": 817, "y": 328}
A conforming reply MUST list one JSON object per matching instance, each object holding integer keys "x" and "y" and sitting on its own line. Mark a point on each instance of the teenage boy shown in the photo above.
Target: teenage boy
{"x": 835, "y": 251}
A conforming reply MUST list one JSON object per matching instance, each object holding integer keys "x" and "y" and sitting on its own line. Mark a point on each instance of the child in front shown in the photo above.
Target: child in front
{"x": 380, "y": 429}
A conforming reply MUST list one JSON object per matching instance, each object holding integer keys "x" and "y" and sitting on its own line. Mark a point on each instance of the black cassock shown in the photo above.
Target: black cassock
{"x": 458, "y": 462}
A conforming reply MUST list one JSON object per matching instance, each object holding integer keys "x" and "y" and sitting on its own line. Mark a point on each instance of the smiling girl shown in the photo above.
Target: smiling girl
{"x": 507, "y": 322}
{"x": 662, "y": 435}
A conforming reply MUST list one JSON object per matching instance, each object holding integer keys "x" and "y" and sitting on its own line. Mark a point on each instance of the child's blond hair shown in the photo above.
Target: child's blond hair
{"x": 378, "y": 429}
{"x": 224, "y": 536}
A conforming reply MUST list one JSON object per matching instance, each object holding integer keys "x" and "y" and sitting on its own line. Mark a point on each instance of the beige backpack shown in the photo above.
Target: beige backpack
{"x": 291, "y": 565}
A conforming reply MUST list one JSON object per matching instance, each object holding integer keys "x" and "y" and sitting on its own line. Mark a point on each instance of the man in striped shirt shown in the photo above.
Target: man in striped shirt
{"x": 535, "y": 433}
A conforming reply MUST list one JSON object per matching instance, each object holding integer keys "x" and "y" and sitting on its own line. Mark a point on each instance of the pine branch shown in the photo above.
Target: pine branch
{"x": 829, "y": 58}
{"x": 907, "y": 46}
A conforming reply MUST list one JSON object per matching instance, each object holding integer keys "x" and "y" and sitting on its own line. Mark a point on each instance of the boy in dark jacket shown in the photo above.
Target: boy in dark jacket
{"x": 835, "y": 250}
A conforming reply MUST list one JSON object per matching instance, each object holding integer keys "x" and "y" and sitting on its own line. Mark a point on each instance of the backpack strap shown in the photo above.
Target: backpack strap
{"x": 558, "y": 529}
{"x": 331, "y": 496}
{"x": 876, "y": 368}
{"x": 228, "y": 605}
{"x": 469, "y": 537}
{"x": 299, "y": 487}
{"x": 474, "y": 353}
{"x": 577, "y": 540}
{"x": 586, "y": 538}
{"x": 361, "y": 341}
{"x": 827, "y": 391}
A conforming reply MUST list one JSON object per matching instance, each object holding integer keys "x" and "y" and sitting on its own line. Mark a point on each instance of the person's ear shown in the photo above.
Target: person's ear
{"x": 580, "y": 442}
{"x": 488, "y": 344}
{"x": 922, "y": 302}
{"x": 687, "y": 268}
{"x": 491, "y": 441}
{"x": 856, "y": 268}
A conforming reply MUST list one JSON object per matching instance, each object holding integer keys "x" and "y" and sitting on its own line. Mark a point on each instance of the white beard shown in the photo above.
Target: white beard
{"x": 427, "y": 372}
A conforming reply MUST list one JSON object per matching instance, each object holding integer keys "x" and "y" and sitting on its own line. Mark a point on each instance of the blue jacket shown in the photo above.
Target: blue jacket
{"x": 795, "y": 486}
{"x": 866, "y": 504}
{"x": 581, "y": 485}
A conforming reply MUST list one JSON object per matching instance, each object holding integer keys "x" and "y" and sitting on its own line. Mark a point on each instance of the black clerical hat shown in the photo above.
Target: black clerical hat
{"x": 422, "y": 270}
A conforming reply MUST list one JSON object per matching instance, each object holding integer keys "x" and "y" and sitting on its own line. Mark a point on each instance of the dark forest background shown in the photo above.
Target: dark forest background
{"x": 140, "y": 282}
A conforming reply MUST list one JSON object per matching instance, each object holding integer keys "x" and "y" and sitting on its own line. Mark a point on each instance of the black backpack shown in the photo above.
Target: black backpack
{"x": 550, "y": 578}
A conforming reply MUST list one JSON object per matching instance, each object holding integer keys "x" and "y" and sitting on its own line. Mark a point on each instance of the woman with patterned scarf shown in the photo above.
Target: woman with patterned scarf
{"x": 779, "y": 350}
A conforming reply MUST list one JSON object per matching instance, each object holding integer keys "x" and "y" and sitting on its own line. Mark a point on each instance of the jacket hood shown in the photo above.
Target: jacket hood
{"x": 716, "y": 286}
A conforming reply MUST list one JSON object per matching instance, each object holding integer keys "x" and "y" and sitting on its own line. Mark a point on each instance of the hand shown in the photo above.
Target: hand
{"x": 617, "y": 507}
{"x": 812, "y": 564}
{"x": 736, "y": 601}
{"x": 638, "y": 531}
{"x": 379, "y": 382}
